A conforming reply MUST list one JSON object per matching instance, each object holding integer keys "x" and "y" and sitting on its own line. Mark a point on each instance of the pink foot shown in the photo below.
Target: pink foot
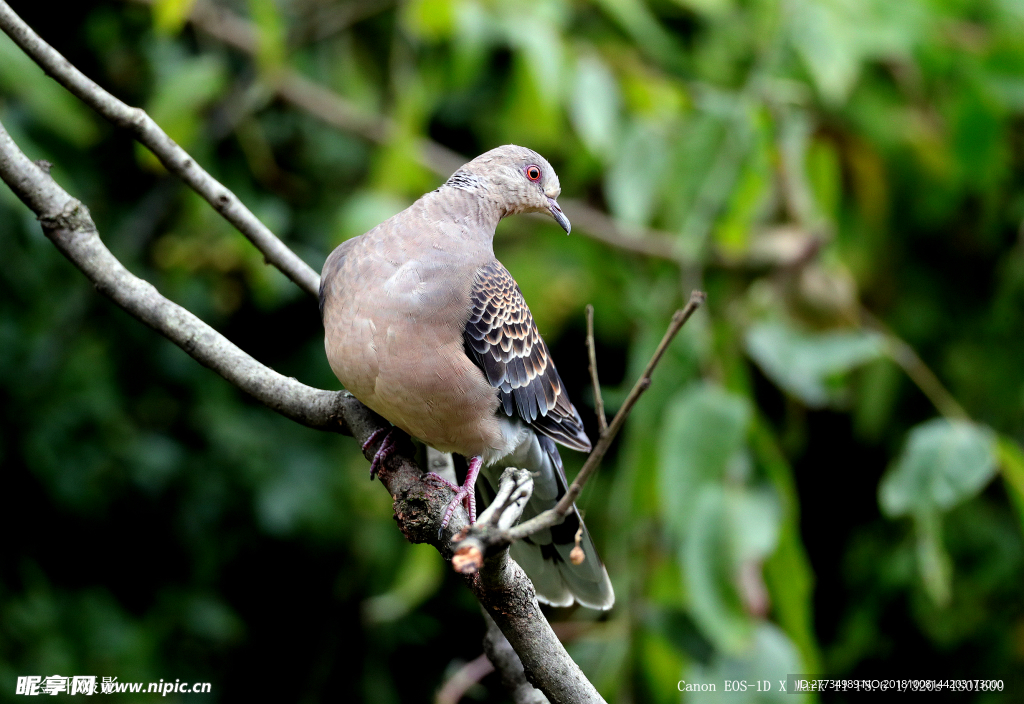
{"x": 465, "y": 494}
{"x": 385, "y": 449}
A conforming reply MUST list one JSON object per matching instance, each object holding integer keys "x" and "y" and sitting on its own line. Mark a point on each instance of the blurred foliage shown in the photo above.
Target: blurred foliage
{"x": 784, "y": 499}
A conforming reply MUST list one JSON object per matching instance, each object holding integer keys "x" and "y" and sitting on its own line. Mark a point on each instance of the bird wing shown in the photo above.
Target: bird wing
{"x": 501, "y": 337}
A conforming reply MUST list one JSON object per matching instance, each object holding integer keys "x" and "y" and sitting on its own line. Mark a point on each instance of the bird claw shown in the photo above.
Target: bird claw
{"x": 465, "y": 494}
{"x": 383, "y": 452}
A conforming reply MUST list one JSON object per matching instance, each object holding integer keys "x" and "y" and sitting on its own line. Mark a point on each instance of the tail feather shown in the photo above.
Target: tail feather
{"x": 545, "y": 554}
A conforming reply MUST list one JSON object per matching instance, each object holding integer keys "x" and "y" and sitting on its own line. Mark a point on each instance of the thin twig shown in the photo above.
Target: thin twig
{"x": 508, "y": 665}
{"x": 911, "y": 363}
{"x": 173, "y": 157}
{"x": 464, "y": 678}
{"x": 602, "y": 422}
{"x": 515, "y": 487}
{"x": 646, "y": 241}
{"x": 679, "y": 319}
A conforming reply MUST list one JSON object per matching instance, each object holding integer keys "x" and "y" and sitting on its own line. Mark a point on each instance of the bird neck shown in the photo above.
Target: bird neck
{"x": 472, "y": 204}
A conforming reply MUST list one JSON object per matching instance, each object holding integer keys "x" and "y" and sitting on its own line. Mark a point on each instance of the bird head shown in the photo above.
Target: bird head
{"x": 517, "y": 179}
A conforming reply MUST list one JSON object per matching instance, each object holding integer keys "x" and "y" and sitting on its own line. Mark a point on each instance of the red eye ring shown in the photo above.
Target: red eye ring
{"x": 533, "y": 172}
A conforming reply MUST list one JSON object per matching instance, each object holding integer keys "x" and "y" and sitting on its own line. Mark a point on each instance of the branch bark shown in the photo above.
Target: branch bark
{"x": 510, "y": 669}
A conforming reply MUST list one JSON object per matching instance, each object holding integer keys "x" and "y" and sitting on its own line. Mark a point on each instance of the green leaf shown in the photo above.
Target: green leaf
{"x": 943, "y": 463}
{"x": 636, "y": 18}
{"x": 835, "y": 37}
{"x": 169, "y": 16}
{"x": 540, "y": 47}
{"x": 788, "y": 571}
{"x": 271, "y": 33}
{"x": 754, "y": 518}
{"x": 365, "y": 210}
{"x": 703, "y": 434}
{"x": 877, "y": 393}
{"x": 824, "y": 176}
{"x": 182, "y": 92}
{"x": 631, "y": 184}
{"x": 731, "y": 530}
{"x": 419, "y": 577}
{"x": 710, "y": 8}
{"x": 431, "y": 20}
{"x": 708, "y": 573}
{"x": 768, "y": 657}
{"x": 661, "y": 663}
{"x": 1011, "y": 463}
{"x": 932, "y": 559}
{"x": 749, "y": 198}
{"x": 595, "y": 105}
{"x": 55, "y": 108}
{"x": 826, "y": 41}
{"x": 805, "y": 364}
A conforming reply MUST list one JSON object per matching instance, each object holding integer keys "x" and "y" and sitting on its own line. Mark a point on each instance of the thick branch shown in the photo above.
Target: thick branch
{"x": 174, "y": 158}
{"x": 504, "y": 659}
{"x": 508, "y": 596}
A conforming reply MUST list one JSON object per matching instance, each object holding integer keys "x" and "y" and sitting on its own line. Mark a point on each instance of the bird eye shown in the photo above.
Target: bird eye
{"x": 533, "y": 172}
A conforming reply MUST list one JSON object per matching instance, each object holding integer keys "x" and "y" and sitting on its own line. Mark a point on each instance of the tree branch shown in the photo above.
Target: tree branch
{"x": 602, "y": 421}
{"x": 174, "y": 158}
{"x": 911, "y": 363}
{"x": 515, "y": 487}
{"x": 466, "y": 676}
{"x": 507, "y": 663}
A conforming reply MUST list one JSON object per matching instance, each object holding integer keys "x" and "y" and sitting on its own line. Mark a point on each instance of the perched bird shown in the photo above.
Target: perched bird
{"x": 428, "y": 329}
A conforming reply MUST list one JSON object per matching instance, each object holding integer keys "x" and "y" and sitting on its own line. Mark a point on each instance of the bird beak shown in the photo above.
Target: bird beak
{"x": 558, "y": 215}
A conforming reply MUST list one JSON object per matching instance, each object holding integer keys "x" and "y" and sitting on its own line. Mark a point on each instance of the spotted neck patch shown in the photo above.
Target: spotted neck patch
{"x": 464, "y": 180}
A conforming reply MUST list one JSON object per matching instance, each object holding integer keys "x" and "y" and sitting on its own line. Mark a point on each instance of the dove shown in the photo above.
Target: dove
{"x": 426, "y": 327}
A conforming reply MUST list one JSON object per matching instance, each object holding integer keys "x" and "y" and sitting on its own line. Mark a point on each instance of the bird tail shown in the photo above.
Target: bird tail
{"x": 545, "y": 554}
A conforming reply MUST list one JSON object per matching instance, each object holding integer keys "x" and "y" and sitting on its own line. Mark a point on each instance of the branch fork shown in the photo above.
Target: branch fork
{"x": 473, "y": 542}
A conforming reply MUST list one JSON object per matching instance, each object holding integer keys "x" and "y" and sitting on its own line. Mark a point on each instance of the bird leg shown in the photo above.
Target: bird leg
{"x": 385, "y": 449}
{"x": 466, "y": 494}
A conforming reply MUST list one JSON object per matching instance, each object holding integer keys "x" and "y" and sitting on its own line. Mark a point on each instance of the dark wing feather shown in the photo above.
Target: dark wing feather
{"x": 503, "y": 340}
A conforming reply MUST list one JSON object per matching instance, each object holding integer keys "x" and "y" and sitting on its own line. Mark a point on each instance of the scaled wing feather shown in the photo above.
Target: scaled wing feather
{"x": 503, "y": 340}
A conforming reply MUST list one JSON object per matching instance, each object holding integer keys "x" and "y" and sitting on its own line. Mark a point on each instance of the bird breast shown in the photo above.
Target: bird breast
{"x": 394, "y": 321}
